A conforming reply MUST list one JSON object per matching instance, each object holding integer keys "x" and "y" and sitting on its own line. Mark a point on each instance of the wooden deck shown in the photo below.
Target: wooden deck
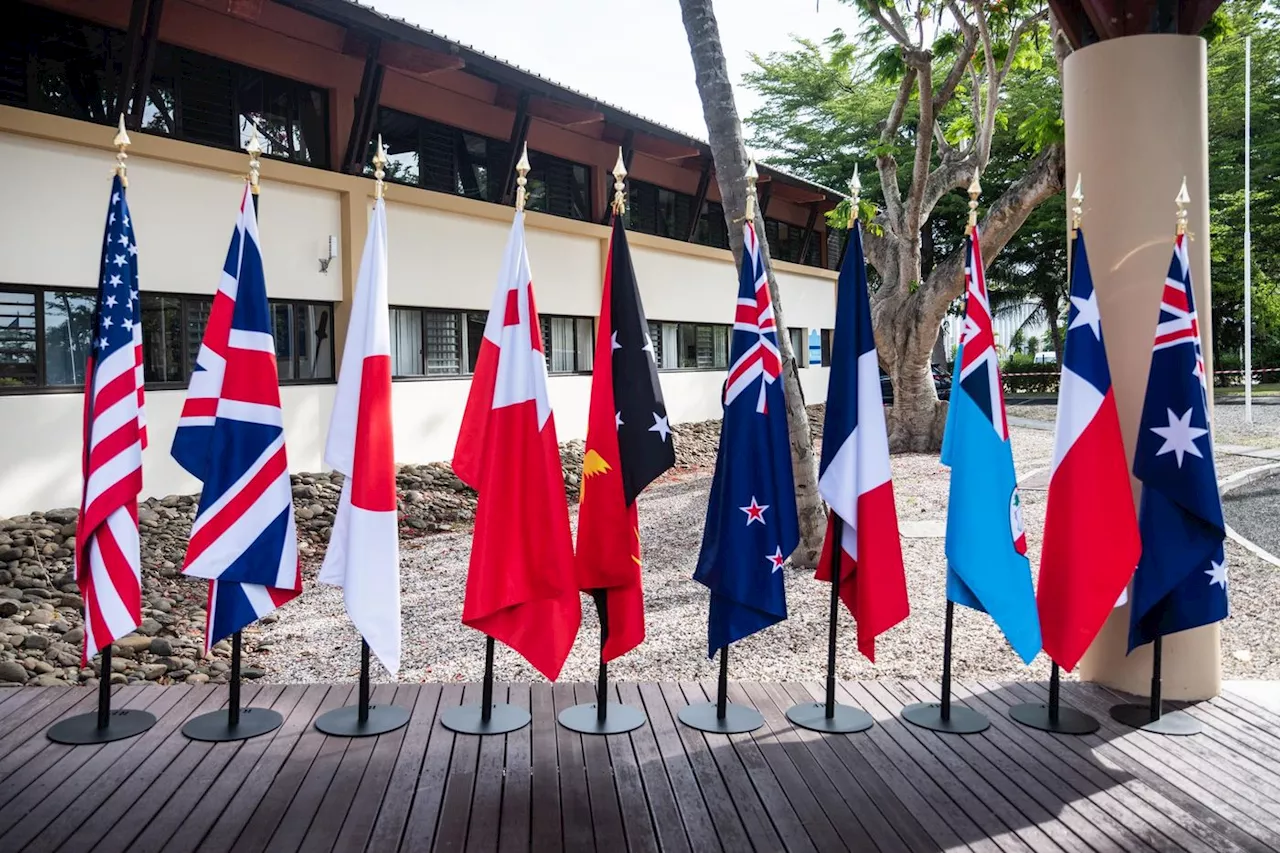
{"x": 662, "y": 787}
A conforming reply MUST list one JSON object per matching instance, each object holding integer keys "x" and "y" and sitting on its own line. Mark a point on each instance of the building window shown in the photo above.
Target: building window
{"x": 827, "y": 336}
{"x": 568, "y": 343}
{"x": 435, "y": 342}
{"x": 304, "y": 345}
{"x": 799, "y": 345}
{"x": 690, "y": 346}
{"x": 59, "y": 64}
{"x": 836, "y": 239}
{"x": 446, "y": 159}
{"x": 786, "y": 242}
{"x": 712, "y": 230}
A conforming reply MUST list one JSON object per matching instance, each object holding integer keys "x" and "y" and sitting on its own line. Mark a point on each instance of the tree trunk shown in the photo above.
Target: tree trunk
{"x": 724, "y": 132}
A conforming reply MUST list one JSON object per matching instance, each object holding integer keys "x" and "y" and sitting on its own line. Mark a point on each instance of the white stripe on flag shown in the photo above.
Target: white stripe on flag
{"x": 114, "y": 613}
{"x": 862, "y": 462}
{"x": 238, "y": 486}
{"x": 255, "y": 341}
{"x": 112, "y": 471}
{"x": 1078, "y": 403}
{"x": 243, "y": 532}
{"x": 254, "y": 413}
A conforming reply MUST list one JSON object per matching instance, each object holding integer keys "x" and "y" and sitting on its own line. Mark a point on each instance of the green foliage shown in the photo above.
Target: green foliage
{"x": 1021, "y": 374}
{"x": 1261, "y": 19}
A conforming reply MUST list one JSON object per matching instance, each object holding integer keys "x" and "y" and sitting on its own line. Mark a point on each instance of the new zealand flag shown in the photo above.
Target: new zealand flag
{"x": 752, "y": 525}
{"x": 1181, "y": 581}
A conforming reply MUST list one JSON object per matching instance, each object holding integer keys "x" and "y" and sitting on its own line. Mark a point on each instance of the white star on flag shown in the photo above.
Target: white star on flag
{"x": 1179, "y": 436}
{"x": 613, "y": 340}
{"x": 1087, "y": 314}
{"x": 776, "y": 558}
{"x": 115, "y": 280}
{"x": 617, "y": 416}
{"x": 755, "y": 512}
{"x": 1218, "y": 574}
{"x": 648, "y": 345}
{"x": 123, "y": 241}
{"x": 111, "y": 302}
{"x": 133, "y": 250}
{"x": 128, "y": 325}
{"x": 660, "y": 426}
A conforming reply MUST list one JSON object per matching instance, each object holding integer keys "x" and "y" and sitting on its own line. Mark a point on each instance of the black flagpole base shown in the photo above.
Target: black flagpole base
{"x": 1069, "y": 721}
{"x": 618, "y": 719}
{"x": 961, "y": 720}
{"x": 737, "y": 718}
{"x": 345, "y": 721}
{"x": 467, "y": 719}
{"x": 813, "y": 716}
{"x": 216, "y": 726}
{"x": 82, "y": 729}
{"x": 1138, "y": 716}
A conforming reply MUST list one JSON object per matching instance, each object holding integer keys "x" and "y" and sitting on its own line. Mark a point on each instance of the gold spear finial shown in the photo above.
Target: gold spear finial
{"x": 752, "y": 177}
{"x": 122, "y": 142}
{"x": 1183, "y": 199}
{"x": 619, "y": 175}
{"x": 379, "y": 168}
{"x": 1077, "y": 208}
{"x": 254, "y": 148}
{"x": 855, "y": 193}
{"x": 522, "y": 171}
{"x": 975, "y": 190}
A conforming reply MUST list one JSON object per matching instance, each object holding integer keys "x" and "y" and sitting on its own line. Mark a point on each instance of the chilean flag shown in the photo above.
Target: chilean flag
{"x": 854, "y": 476}
{"x": 1091, "y": 542}
{"x": 521, "y": 586}
{"x": 363, "y": 556}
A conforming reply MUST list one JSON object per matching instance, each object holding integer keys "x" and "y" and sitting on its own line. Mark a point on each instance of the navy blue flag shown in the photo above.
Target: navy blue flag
{"x": 1181, "y": 581}
{"x": 752, "y": 525}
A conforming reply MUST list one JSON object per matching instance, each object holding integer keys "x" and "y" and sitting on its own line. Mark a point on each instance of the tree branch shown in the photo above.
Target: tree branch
{"x": 1018, "y": 33}
{"x": 1041, "y": 181}
{"x": 944, "y": 179}
{"x": 923, "y": 64}
{"x": 986, "y": 130}
{"x": 885, "y": 163}
{"x": 961, "y": 63}
{"x": 896, "y": 30}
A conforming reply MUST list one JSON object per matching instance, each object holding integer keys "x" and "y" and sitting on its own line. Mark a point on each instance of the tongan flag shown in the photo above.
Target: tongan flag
{"x": 752, "y": 526}
{"x": 363, "y": 556}
{"x": 107, "y": 559}
{"x": 1091, "y": 540}
{"x": 854, "y": 475}
{"x": 1181, "y": 581}
{"x": 987, "y": 567}
{"x": 520, "y": 585}
{"x": 628, "y": 445}
{"x": 230, "y": 436}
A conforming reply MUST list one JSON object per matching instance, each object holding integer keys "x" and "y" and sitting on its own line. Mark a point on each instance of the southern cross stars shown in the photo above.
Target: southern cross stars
{"x": 776, "y": 558}
{"x": 1179, "y": 436}
{"x": 1087, "y": 314}
{"x": 755, "y": 512}
{"x": 1218, "y": 574}
{"x": 660, "y": 426}
{"x": 613, "y": 340}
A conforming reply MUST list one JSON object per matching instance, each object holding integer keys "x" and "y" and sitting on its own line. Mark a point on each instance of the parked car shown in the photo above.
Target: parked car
{"x": 941, "y": 383}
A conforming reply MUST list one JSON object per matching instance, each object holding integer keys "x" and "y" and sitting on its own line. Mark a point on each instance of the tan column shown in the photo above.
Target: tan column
{"x": 1136, "y": 114}
{"x": 355, "y": 229}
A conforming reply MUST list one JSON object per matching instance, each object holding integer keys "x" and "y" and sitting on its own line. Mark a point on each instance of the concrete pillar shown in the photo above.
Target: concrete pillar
{"x": 1136, "y": 112}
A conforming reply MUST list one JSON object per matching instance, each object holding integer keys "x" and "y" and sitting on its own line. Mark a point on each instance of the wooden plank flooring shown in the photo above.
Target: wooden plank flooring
{"x": 664, "y": 787}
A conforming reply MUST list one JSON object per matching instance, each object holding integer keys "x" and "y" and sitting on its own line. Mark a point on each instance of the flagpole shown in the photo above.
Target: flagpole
{"x": 104, "y": 725}
{"x": 1248, "y": 242}
{"x": 1149, "y": 716}
{"x": 1053, "y": 717}
{"x": 943, "y": 716}
{"x": 602, "y": 718}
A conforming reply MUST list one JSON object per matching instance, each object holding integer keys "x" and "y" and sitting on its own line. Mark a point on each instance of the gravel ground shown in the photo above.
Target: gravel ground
{"x": 1252, "y": 510}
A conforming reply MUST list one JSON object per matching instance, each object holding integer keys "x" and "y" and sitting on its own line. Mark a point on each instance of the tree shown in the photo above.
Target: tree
{"x": 926, "y": 85}
{"x": 724, "y": 134}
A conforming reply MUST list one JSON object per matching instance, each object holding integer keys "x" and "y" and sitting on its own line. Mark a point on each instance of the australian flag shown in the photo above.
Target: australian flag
{"x": 1181, "y": 581}
{"x": 752, "y": 525}
{"x": 231, "y": 437}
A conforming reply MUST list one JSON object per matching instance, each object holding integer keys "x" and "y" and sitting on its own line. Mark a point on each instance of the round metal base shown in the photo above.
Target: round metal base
{"x": 1069, "y": 721}
{"x": 1170, "y": 722}
{"x": 928, "y": 715}
{"x": 813, "y": 716}
{"x": 465, "y": 719}
{"x": 83, "y": 728}
{"x": 216, "y": 726}
{"x": 345, "y": 722}
{"x": 618, "y": 719}
{"x": 737, "y": 718}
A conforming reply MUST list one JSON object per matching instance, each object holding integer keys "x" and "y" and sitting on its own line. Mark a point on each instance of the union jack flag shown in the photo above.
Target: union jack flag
{"x": 1177, "y": 322}
{"x": 231, "y": 437}
{"x": 108, "y": 560}
{"x": 979, "y": 363}
{"x": 759, "y": 345}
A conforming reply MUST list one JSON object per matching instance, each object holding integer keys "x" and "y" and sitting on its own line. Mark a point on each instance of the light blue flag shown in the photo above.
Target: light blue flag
{"x": 987, "y": 567}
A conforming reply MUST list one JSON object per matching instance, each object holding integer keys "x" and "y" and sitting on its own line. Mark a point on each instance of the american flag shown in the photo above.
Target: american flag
{"x": 108, "y": 561}
{"x": 230, "y": 436}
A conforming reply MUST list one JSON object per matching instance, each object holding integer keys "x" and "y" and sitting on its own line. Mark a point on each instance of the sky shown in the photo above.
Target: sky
{"x": 630, "y": 53}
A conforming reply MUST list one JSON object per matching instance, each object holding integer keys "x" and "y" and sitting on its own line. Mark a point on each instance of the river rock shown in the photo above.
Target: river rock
{"x": 12, "y": 672}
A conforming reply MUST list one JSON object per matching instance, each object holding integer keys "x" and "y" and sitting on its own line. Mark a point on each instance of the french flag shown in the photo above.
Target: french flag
{"x": 363, "y": 556}
{"x": 230, "y": 436}
{"x": 521, "y": 584}
{"x": 1091, "y": 541}
{"x": 854, "y": 476}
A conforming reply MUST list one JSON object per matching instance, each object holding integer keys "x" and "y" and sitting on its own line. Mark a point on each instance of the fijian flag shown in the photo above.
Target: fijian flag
{"x": 231, "y": 437}
{"x": 1181, "y": 581}
{"x": 629, "y": 444}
